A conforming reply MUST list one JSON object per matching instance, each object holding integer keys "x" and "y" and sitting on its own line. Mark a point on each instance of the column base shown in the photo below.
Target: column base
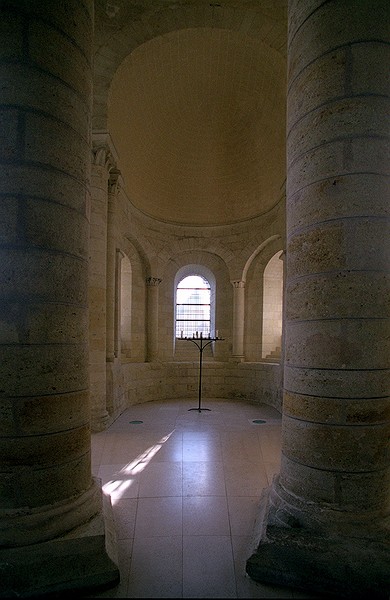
{"x": 349, "y": 567}
{"x": 100, "y": 422}
{"x": 237, "y": 358}
{"x": 82, "y": 560}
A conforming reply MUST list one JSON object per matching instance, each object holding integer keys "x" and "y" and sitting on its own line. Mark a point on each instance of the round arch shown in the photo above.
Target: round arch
{"x": 254, "y": 294}
{"x": 215, "y": 270}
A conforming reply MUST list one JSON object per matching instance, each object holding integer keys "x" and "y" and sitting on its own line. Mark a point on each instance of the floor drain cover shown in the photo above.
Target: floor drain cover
{"x": 258, "y": 421}
{"x": 135, "y": 422}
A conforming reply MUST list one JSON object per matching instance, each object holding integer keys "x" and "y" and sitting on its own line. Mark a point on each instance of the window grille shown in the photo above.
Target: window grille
{"x": 193, "y": 307}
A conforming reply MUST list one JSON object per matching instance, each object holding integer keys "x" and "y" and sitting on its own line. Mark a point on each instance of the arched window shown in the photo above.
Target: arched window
{"x": 193, "y": 312}
{"x": 125, "y": 306}
{"x": 272, "y": 307}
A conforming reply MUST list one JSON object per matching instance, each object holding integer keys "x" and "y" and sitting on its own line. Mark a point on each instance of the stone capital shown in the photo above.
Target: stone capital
{"x": 103, "y": 150}
{"x": 238, "y": 283}
{"x": 153, "y": 281}
{"x": 114, "y": 182}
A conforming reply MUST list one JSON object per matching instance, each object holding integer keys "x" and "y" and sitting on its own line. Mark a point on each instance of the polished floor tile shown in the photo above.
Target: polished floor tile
{"x": 202, "y": 449}
{"x": 242, "y": 514}
{"x": 205, "y": 515}
{"x": 185, "y": 488}
{"x": 161, "y": 479}
{"x": 203, "y": 479}
{"x": 156, "y": 568}
{"x": 208, "y": 569}
{"x": 159, "y": 517}
{"x": 125, "y": 514}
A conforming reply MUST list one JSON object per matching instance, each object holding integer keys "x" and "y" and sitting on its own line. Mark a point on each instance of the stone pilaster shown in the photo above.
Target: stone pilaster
{"x": 97, "y": 300}
{"x": 238, "y": 319}
{"x": 323, "y": 519}
{"x": 117, "y": 303}
{"x": 47, "y": 494}
{"x": 152, "y": 284}
{"x": 114, "y": 186}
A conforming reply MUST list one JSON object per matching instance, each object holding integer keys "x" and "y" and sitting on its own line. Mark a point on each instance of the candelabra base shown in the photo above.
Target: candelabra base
{"x": 199, "y": 409}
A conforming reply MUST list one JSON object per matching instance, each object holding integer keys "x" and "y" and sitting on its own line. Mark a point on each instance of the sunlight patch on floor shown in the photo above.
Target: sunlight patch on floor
{"x": 116, "y": 487}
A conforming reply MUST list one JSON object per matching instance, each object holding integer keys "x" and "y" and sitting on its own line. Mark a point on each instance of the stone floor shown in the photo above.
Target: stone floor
{"x": 185, "y": 487}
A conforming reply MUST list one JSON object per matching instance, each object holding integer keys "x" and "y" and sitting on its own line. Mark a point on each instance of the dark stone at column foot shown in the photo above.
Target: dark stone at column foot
{"x": 319, "y": 563}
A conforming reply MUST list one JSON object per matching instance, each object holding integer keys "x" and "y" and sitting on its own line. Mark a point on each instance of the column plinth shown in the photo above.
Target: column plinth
{"x": 307, "y": 558}
{"x": 82, "y": 558}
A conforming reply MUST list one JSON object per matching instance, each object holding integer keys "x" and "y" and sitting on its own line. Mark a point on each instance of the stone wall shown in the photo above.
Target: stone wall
{"x": 134, "y": 383}
{"x": 143, "y": 259}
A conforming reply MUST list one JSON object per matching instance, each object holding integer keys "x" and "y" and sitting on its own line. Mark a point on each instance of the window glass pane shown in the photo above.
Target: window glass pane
{"x": 193, "y": 307}
{"x": 194, "y": 281}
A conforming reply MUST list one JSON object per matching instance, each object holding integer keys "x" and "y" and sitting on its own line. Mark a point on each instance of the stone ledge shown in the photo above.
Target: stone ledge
{"x": 83, "y": 560}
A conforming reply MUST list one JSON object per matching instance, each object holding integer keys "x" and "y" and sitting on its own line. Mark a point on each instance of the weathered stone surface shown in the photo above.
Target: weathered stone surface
{"x": 28, "y": 486}
{"x": 302, "y": 559}
{"x": 43, "y": 414}
{"x": 321, "y": 525}
{"x": 338, "y": 344}
{"x": 343, "y": 196}
{"x": 41, "y": 451}
{"x": 347, "y": 294}
{"x": 43, "y": 369}
{"x": 310, "y": 563}
{"x": 336, "y": 410}
{"x": 316, "y": 250}
{"x": 82, "y": 560}
{"x": 336, "y": 448}
{"x": 339, "y": 383}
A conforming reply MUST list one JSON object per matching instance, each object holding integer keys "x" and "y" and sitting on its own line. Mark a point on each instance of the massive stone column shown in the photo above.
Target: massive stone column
{"x": 324, "y": 519}
{"x": 52, "y": 535}
{"x": 238, "y": 319}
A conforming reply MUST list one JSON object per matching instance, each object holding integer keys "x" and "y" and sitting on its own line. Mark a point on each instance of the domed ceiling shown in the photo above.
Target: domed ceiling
{"x": 197, "y": 117}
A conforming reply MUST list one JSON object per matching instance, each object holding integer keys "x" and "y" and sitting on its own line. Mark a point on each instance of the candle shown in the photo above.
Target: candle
{"x": 201, "y": 335}
{"x": 181, "y": 333}
{"x": 216, "y": 333}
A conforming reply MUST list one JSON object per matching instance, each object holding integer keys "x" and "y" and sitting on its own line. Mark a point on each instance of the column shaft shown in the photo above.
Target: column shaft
{"x": 337, "y": 317}
{"x": 46, "y": 485}
{"x": 97, "y": 296}
{"x": 334, "y": 477}
{"x": 238, "y": 319}
{"x": 152, "y": 318}
{"x": 113, "y": 189}
{"x": 45, "y": 161}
